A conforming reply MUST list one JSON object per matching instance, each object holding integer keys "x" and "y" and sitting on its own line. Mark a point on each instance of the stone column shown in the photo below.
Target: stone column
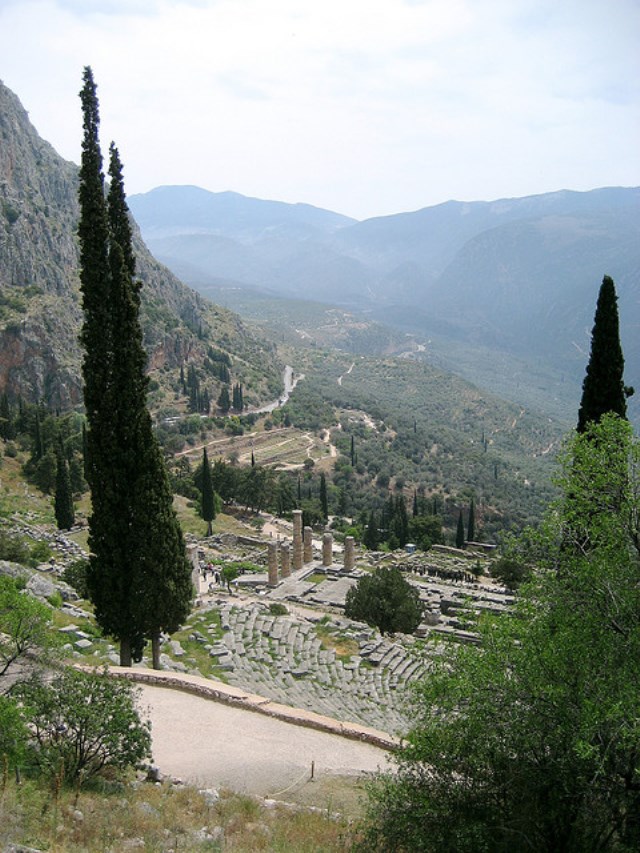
{"x": 297, "y": 539}
{"x": 308, "y": 545}
{"x": 285, "y": 560}
{"x": 349, "y": 554}
{"x": 272, "y": 559}
{"x": 327, "y": 549}
{"x": 196, "y": 577}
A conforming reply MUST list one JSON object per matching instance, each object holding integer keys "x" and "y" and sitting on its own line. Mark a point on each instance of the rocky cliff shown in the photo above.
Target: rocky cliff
{"x": 40, "y": 308}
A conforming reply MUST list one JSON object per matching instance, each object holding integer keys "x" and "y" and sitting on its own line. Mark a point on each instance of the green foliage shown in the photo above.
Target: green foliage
{"x": 229, "y": 573}
{"x": 405, "y": 421}
{"x": 208, "y": 500}
{"x": 139, "y": 577}
{"x": 83, "y": 724}
{"x": 13, "y": 732}
{"x": 40, "y": 552}
{"x": 511, "y": 571}
{"x": 425, "y": 531}
{"x": 460, "y": 532}
{"x": 276, "y": 608}
{"x": 531, "y": 741}
{"x": 14, "y": 549}
{"x": 386, "y": 600}
{"x": 75, "y": 574}
{"x": 63, "y": 500}
{"x": 24, "y": 629}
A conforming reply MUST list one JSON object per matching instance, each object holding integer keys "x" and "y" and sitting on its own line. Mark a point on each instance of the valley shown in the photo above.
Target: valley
{"x": 332, "y": 402}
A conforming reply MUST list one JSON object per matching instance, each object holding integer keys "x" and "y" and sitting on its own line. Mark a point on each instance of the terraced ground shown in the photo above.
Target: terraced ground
{"x": 330, "y": 665}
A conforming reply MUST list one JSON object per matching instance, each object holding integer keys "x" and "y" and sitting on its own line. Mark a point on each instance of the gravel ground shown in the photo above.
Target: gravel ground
{"x": 214, "y": 745}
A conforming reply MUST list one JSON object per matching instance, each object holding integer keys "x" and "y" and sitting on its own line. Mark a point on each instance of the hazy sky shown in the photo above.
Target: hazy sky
{"x": 366, "y": 107}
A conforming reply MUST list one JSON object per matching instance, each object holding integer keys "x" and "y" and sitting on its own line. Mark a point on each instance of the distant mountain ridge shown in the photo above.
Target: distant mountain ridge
{"x": 192, "y": 210}
{"x": 517, "y": 275}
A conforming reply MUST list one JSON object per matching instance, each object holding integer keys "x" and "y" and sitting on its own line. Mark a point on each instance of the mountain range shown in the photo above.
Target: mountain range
{"x": 501, "y": 292}
{"x": 516, "y": 278}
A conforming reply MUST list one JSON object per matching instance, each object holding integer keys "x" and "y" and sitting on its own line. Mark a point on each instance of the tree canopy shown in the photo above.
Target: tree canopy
{"x": 603, "y": 389}
{"x": 386, "y": 600}
{"x": 139, "y": 576}
{"x": 531, "y": 741}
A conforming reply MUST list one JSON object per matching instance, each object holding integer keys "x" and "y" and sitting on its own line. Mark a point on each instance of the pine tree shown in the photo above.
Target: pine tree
{"x": 139, "y": 576}
{"x": 208, "y": 499}
{"x": 460, "y": 532}
{"x": 63, "y": 500}
{"x": 603, "y": 389}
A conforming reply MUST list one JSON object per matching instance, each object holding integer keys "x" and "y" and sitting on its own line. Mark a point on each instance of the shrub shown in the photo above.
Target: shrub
{"x": 81, "y": 724}
{"x": 13, "y": 548}
{"x": 386, "y": 600}
{"x": 75, "y": 575}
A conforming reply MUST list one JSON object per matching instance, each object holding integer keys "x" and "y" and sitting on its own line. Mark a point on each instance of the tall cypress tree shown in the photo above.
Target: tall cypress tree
{"x": 603, "y": 389}
{"x": 224, "y": 402}
{"x": 460, "y": 532}
{"x": 161, "y": 570}
{"x": 139, "y": 577}
{"x": 109, "y": 578}
{"x": 324, "y": 500}
{"x": 471, "y": 527}
{"x": 208, "y": 500}
{"x": 63, "y": 499}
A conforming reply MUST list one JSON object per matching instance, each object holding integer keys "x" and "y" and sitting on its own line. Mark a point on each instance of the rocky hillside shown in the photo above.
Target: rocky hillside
{"x": 40, "y": 312}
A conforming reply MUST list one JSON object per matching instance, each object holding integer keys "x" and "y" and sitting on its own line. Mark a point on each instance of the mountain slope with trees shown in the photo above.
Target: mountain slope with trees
{"x": 488, "y": 281}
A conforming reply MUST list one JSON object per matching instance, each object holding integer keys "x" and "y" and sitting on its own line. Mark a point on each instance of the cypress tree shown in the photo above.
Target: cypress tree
{"x": 63, "y": 500}
{"x": 208, "y": 500}
{"x": 371, "y": 537}
{"x": 603, "y": 389}
{"x": 162, "y": 599}
{"x": 460, "y": 532}
{"x": 108, "y": 579}
{"x": 7, "y": 426}
{"x": 324, "y": 501}
{"x": 471, "y": 527}
{"x": 139, "y": 576}
{"x": 401, "y": 521}
{"x": 224, "y": 403}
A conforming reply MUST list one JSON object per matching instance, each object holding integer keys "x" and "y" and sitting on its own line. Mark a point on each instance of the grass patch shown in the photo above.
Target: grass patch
{"x": 195, "y": 653}
{"x": 157, "y": 818}
{"x": 332, "y": 638}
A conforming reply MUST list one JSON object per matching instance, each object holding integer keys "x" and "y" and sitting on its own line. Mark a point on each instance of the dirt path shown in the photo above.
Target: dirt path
{"x": 212, "y": 744}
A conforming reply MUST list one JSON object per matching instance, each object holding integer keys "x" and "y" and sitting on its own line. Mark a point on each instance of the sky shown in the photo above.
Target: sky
{"x": 364, "y": 107}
